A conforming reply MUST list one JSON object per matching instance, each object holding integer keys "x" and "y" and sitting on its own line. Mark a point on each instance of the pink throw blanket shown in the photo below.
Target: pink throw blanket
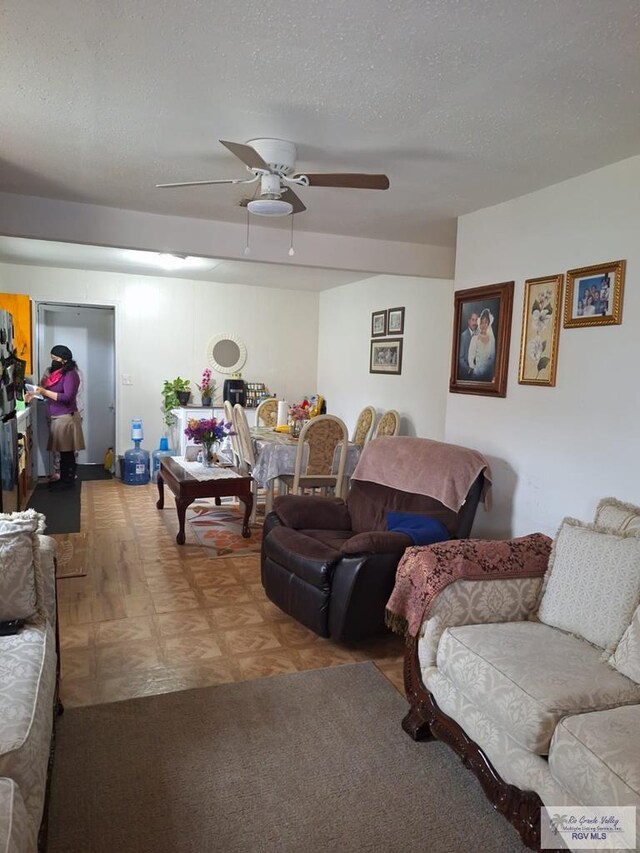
{"x": 421, "y": 466}
{"x": 424, "y": 571}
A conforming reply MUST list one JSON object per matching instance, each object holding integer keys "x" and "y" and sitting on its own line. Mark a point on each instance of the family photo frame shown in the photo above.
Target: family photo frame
{"x": 540, "y": 330}
{"x": 594, "y": 295}
{"x": 386, "y": 356}
{"x": 481, "y": 335}
{"x": 395, "y": 321}
{"x": 379, "y": 324}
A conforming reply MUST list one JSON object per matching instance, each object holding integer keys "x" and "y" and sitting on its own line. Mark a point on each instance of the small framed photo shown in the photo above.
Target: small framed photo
{"x": 386, "y": 356}
{"x": 540, "y": 330}
{"x": 395, "y": 321}
{"x": 481, "y": 335}
{"x": 594, "y": 295}
{"x": 378, "y": 324}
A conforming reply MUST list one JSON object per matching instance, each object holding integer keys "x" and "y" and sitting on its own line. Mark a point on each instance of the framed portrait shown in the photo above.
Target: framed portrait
{"x": 540, "y": 330}
{"x": 481, "y": 335}
{"x": 395, "y": 321}
{"x": 386, "y": 356}
{"x": 594, "y": 295}
{"x": 378, "y": 324}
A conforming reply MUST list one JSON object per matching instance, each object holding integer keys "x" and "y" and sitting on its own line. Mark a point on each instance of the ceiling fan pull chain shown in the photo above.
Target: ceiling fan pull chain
{"x": 247, "y": 250}
{"x": 291, "y": 249}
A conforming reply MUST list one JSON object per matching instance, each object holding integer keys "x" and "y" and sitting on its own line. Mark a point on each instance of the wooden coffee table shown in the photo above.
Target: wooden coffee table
{"x": 187, "y": 488}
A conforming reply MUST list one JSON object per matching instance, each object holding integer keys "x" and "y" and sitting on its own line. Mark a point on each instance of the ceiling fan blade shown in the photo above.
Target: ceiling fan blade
{"x": 204, "y": 183}
{"x": 293, "y": 199}
{"x": 247, "y": 154}
{"x": 352, "y": 181}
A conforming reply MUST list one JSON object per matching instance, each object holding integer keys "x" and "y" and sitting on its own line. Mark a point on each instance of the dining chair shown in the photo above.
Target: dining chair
{"x": 267, "y": 413}
{"x": 235, "y": 440}
{"x": 389, "y": 424}
{"x": 241, "y": 426}
{"x": 364, "y": 426}
{"x": 321, "y": 438}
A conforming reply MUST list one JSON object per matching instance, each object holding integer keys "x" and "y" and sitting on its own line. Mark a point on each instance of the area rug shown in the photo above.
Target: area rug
{"x": 71, "y": 555}
{"x": 309, "y": 761}
{"x": 219, "y": 529}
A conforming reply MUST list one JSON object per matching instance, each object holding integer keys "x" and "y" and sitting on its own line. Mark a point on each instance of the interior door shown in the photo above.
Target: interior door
{"x": 89, "y": 332}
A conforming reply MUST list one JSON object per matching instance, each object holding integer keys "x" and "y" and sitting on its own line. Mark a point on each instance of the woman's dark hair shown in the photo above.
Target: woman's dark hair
{"x": 69, "y": 365}
{"x": 61, "y": 351}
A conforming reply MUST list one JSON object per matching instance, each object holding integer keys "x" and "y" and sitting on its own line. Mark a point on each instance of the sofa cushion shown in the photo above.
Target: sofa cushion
{"x": 526, "y": 676}
{"x": 626, "y": 657}
{"x": 618, "y": 515}
{"x": 307, "y": 558}
{"x": 369, "y": 503}
{"x": 19, "y": 564}
{"x": 592, "y": 585}
{"x": 596, "y": 756}
{"x": 16, "y": 830}
{"x": 27, "y": 685}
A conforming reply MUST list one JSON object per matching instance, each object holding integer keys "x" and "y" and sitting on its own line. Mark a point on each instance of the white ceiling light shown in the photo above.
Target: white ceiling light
{"x": 269, "y": 207}
{"x": 170, "y": 261}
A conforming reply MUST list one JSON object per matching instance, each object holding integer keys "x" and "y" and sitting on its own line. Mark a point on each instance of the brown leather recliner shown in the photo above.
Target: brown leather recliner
{"x": 331, "y": 564}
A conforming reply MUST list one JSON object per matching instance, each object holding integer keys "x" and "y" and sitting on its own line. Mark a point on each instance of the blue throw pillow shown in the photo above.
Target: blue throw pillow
{"x": 421, "y": 529}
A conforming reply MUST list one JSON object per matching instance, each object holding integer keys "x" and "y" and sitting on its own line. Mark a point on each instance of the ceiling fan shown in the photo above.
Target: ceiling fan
{"x": 272, "y": 162}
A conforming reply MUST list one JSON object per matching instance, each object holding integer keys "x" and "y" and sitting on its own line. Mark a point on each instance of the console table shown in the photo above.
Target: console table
{"x": 187, "y": 488}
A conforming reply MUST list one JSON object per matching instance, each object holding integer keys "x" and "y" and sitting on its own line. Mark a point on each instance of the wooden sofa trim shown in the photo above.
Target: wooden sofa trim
{"x": 425, "y": 720}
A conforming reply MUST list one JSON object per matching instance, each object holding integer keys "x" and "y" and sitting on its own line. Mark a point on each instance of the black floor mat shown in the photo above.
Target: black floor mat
{"x": 93, "y": 472}
{"x": 61, "y": 508}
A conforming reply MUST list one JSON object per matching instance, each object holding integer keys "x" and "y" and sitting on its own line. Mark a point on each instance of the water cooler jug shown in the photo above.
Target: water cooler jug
{"x": 136, "y": 460}
{"x": 156, "y": 456}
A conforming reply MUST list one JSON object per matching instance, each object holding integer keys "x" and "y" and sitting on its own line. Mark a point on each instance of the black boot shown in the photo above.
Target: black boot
{"x": 67, "y": 471}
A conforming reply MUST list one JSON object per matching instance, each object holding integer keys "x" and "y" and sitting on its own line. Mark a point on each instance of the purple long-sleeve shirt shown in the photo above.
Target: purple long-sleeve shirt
{"x": 67, "y": 391}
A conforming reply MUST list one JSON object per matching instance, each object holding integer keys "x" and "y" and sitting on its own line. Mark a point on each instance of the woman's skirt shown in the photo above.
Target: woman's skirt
{"x": 65, "y": 433}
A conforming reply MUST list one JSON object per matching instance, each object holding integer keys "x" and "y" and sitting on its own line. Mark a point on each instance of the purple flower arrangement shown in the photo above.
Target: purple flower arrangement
{"x": 207, "y": 430}
{"x": 206, "y": 386}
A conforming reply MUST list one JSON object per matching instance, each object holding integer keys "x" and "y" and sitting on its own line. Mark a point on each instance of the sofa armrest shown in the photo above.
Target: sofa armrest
{"x": 377, "y": 542}
{"x": 48, "y": 573}
{"x": 425, "y": 571}
{"x": 474, "y": 602}
{"x": 309, "y": 512}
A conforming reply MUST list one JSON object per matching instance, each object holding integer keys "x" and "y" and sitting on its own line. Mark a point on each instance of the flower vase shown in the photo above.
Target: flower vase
{"x": 210, "y": 454}
{"x": 295, "y": 428}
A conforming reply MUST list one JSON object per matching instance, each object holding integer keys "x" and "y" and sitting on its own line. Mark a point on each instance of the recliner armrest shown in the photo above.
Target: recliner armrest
{"x": 308, "y": 512}
{"x": 377, "y": 542}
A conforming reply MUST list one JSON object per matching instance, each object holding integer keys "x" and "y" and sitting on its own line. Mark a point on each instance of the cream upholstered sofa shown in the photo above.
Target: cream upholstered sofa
{"x": 535, "y": 681}
{"x": 28, "y": 677}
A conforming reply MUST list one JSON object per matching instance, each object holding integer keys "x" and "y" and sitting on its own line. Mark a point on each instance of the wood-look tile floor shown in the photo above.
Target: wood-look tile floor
{"x": 151, "y": 616}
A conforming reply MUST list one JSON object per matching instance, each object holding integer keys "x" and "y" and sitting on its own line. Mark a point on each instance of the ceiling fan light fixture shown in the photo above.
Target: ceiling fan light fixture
{"x": 269, "y": 207}
{"x": 171, "y": 260}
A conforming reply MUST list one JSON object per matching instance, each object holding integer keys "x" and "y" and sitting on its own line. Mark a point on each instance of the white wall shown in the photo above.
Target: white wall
{"x": 344, "y": 338}
{"x": 163, "y": 326}
{"x": 556, "y": 451}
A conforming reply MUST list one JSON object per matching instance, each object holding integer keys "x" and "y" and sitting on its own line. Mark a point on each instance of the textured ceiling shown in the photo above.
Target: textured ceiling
{"x": 463, "y": 103}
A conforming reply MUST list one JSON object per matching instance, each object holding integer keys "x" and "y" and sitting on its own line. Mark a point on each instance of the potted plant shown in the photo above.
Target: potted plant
{"x": 174, "y": 393}
{"x": 207, "y": 387}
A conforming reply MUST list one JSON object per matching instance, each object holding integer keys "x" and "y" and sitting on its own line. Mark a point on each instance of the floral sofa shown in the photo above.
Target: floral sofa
{"x": 528, "y": 664}
{"x": 28, "y": 678}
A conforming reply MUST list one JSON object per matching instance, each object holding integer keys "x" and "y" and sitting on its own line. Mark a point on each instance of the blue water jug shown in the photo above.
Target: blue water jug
{"x": 156, "y": 456}
{"x": 136, "y": 460}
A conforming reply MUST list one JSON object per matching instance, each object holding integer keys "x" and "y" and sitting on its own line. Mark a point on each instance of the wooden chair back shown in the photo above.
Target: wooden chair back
{"x": 389, "y": 424}
{"x": 241, "y": 426}
{"x": 323, "y": 435}
{"x": 267, "y": 413}
{"x": 364, "y": 426}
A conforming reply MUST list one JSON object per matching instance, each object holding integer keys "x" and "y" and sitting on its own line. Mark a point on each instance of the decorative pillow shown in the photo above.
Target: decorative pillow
{"x": 19, "y": 564}
{"x": 626, "y": 658}
{"x": 617, "y": 515}
{"x": 421, "y": 529}
{"x": 592, "y": 585}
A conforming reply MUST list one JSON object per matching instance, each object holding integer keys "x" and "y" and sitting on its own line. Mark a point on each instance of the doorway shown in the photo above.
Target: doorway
{"x": 89, "y": 332}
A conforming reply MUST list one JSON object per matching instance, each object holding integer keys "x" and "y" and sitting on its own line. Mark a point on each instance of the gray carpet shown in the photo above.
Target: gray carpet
{"x": 312, "y": 761}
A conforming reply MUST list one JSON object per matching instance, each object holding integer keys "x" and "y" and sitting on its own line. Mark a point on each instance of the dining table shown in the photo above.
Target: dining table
{"x": 276, "y": 455}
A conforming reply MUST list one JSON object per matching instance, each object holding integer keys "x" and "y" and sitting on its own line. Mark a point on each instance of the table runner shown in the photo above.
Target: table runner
{"x": 197, "y": 470}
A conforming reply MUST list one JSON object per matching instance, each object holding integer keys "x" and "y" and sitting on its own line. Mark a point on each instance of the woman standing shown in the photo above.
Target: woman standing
{"x": 60, "y": 390}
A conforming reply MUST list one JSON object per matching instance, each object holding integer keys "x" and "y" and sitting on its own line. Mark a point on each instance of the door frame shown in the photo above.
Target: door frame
{"x": 63, "y": 303}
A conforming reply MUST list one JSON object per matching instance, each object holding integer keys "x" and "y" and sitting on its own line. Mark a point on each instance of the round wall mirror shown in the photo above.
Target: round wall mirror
{"x": 226, "y": 353}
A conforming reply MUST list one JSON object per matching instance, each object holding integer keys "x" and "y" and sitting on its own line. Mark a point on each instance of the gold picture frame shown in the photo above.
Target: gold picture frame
{"x": 584, "y": 303}
{"x": 540, "y": 330}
